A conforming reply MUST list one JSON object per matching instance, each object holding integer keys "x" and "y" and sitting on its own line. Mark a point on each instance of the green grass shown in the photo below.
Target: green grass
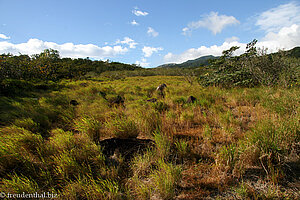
{"x": 199, "y": 149}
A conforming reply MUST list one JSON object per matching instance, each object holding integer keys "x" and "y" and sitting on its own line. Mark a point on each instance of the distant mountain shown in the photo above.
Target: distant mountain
{"x": 295, "y": 52}
{"x": 169, "y": 65}
{"x": 201, "y": 61}
{"x": 204, "y": 60}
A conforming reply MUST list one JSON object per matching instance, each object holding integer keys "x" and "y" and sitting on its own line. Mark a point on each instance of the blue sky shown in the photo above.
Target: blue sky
{"x": 146, "y": 32}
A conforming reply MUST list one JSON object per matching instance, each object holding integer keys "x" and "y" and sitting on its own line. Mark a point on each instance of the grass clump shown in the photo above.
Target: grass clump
{"x": 153, "y": 177}
{"x": 182, "y": 148}
{"x": 142, "y": 165}
{"x": 28, "y": 124}
{"x": 162, "y": 144}
{"x": 149, "y": 121}
{"x": 19, "y": 150}
{"x": 16, "y": 184}
{"x": 165, "y": 179}
{"x": 122, "y": 126}
{"x": 90, "y": 126}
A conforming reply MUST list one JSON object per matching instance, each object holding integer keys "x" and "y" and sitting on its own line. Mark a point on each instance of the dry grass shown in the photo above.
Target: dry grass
{"x": 216, "y": 147}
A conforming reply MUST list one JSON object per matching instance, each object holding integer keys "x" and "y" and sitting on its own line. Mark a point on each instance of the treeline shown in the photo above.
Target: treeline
{"x": 49, "y": 66}
{"x": 253, "y": 68}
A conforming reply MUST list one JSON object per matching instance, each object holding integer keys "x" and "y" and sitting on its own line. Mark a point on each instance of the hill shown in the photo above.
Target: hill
{"x": 204, "y": 60}
{"x": 201, "y": 61}
{"x": 295, "y": 52}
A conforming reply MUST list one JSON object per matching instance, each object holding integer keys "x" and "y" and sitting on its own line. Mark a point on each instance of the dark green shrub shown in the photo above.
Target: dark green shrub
{"x": 254, "y": 67}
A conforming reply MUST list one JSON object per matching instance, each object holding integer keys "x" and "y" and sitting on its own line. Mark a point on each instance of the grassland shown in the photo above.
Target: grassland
{"x": 238, "y": 143}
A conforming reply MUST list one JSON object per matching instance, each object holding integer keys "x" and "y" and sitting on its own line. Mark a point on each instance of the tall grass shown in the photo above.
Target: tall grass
{"x": 165, "y": 179}
{"x": 162, "y": 144}
{"x": 153, "y": 177}
{"x": 90, "y": 126}
{"x": 15, "y": 184}
{"x": 49, "y": 145}
{"x": 122, "y": 126}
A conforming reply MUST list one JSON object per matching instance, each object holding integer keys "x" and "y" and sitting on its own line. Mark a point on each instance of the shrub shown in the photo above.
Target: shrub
{"x": 271, "y": 69}
{"x": 254, "y": 67}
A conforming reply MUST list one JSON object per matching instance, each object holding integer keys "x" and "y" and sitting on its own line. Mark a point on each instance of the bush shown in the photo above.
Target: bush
{"x": 254, "y": 67}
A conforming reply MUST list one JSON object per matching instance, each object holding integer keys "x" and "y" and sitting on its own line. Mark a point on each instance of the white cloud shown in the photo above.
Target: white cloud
{"x": 143, "y": 62}
{"x": 213, "y": 22}
{"x": 2, "y": 36}
{"x": 185, "y": 30}
{"x": 194, "y": 53}
{"x": 134, "y": 23}
{"x": 35, "y": 46}
{"x": 130, "y": 42}
{"x": 138, "y": 12}
{"x": 232, "y": 39}
{"x": 277, "y": 18}
{"x": 286, "y": 38}
{"x": 152, "y": 32}
{"x": 148, "y": 51}
{"x": 281, "y": 26}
